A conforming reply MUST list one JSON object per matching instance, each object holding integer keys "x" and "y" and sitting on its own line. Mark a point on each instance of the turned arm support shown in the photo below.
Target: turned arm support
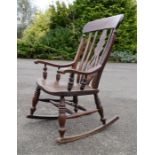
{"x": 84, "y": 76}
{"x": 46, "y": 63}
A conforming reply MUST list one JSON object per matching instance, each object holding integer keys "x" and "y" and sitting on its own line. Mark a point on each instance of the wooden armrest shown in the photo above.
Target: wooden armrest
{"x": 53, "y": 64}
{"x": 90, "y": 71}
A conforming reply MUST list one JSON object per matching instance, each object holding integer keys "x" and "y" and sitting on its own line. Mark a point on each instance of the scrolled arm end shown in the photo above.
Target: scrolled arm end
{"x": 36, "y": 61}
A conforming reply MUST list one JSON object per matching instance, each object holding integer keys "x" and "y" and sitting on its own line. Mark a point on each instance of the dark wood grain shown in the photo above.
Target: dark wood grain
{"x": 84, "y": 74}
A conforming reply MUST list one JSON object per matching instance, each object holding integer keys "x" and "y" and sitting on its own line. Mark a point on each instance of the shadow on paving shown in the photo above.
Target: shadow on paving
{"x": 118, "y": 96}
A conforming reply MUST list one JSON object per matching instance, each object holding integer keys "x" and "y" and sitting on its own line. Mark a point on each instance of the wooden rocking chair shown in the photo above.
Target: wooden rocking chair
{"x": 92, "y": 54}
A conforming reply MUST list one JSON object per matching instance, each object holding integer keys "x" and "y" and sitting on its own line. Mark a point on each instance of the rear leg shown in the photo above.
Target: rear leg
{"x": 100, "y": 108}
{"x": 75, "y": 100}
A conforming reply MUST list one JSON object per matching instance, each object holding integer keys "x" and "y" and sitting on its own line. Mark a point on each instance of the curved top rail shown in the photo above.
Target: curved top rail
{"x": 103, "y": 23}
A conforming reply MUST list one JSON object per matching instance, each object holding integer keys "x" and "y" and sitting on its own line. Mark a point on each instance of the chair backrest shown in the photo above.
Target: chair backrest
{"x": 95, "y": 46}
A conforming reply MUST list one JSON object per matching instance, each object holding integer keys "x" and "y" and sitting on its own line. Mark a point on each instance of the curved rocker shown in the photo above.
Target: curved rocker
{"x": 68, "y": 139}
{"x": 84, "y": 76}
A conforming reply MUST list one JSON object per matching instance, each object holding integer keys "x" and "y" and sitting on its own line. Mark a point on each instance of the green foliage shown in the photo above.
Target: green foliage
{"x": 55, "y": 34}
{"x": 63, "y": 40}
{"x": 60, "y": 15}
{"x": 87, "y": 10}
{"x": 125, "y": 56}
{"x": 38, "y": 27}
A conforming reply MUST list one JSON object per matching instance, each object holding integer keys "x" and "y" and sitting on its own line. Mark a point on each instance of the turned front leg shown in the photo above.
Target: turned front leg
{"x": 35, "y": 100}
{"x": 62, "y": 117}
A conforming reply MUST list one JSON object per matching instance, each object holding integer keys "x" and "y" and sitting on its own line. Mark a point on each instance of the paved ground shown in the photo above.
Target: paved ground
{"x": 118, "y": 94}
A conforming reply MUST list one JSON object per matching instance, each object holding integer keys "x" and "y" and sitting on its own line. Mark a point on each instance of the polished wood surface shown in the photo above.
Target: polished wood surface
{"x": 104, "y": 23}
{"x": 84, "y": 74}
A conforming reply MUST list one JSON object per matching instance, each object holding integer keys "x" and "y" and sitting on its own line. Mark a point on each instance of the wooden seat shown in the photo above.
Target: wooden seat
{"x": 84, "y": 74}
{"x": 57, "y": 89}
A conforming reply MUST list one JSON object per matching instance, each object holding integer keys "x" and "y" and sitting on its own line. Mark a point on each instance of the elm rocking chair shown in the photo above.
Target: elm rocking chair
{"x": 84, "y": 76}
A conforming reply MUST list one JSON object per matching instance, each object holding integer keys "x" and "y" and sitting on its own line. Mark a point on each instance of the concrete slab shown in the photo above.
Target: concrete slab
{"x": 118, "y": 95}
